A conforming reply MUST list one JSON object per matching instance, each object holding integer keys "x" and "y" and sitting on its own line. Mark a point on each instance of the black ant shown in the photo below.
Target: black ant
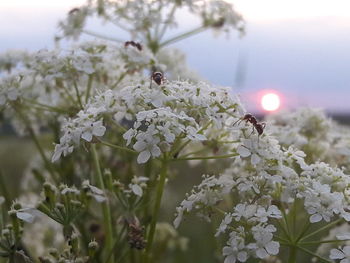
{"x": 133, "y": 44}
{"x": 157, "y": 77}
{"x": 258, "y": 126}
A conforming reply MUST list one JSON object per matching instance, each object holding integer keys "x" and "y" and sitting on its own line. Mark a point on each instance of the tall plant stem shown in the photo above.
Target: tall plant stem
{"x": 105, "y": 206}
{"x": 292, "y": 254}
{"x": 160, "y": 190}
{"x": 32, "y": 134}
{"x": 89, "y": 86}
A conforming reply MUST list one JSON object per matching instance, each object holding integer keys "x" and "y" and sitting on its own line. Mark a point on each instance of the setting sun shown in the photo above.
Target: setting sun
{"x": 270, "y": 102}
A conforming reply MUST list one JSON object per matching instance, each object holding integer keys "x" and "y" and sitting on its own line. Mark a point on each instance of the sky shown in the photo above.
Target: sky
{"x": 297, "y": 48}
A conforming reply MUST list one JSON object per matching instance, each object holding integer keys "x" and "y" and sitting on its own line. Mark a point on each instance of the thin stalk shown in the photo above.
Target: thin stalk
{"x": 285, "y": 218}
{"x": 37, "y": 144}
{"x": 182, "y": 146}
{"x": 105, "y": 206}
{"x": 95, "y": 34}
{"x": 89, "y": 86}
{"x": 322, "y": 242}
{"x": 284, "y": 230}
{"x": 194, "y": 152}
{"x": 292, "y": 254}
{"x": 122, "y": 76}
{"x": 322, "y": 229}
{"x": 182, "y": 36}
{"x": 70, "y": 97}
{"x": 206, "y": 157}
{"x": 314, "y": 254}
{"x": 305, "y": 229}
{"x": 160, "y": 190}
{"x": 78, "y": 94}
{"x": 52, "y": 108}
{"x": 166, "y": 24}
{"x": 5, "y": 194}
{"x": 118, "y": 147}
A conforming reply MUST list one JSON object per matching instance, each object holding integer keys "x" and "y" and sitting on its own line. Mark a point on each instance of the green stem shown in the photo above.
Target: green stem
{"x": 182, "y": 36}
{"x": 78, "y": 94}
{"x": 285, "y": 232}
{"x": 314, "y": 254}
{"x": 285, "y": 218}
{"x": 170, "y": 16}
{"x": 118, "y": 147}
{"x": 5, "y": 194}
{"x": 292, "y": 254}
{"x": 121, "y": 77}
{"x": 207, "y": 157}
{"x": 37, "y": 144}
{"x": 322, "y": 242}
{"x": 322, "y": 229}
{"x": 89, "y": 86}
{"x": 105, "y": 206}
{"x": 306, "y": 228}
{"x": 48, "y": 107}
{"x": 95, "y": 34}
{"x": 160, "y": 189}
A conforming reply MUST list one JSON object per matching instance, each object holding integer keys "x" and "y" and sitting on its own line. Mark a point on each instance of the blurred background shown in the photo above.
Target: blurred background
{"x": 295, "y": 49}
{"x": 294, "y": 53}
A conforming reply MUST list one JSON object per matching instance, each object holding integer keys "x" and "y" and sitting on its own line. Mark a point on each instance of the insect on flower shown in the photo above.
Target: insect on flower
{"x": 158, "y": 77}
{"x": 258, "y": 126}
{"x": 133, "y": 44}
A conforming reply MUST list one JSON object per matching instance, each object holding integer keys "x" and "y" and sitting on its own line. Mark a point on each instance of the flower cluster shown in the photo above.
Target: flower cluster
{"x": 264, "y": 173}
{"x": 161, "y": 115}
{"x": 137, "y": 17}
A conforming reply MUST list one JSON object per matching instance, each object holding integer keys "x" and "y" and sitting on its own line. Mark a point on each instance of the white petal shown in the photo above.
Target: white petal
{"x": 272, "y": 247}
{"x": 99, "y": 198}
{"x": 139, "y": 146}
{"x": 336, "y": 254}
{"x": 87, "y": 136}
{"x": 143, "y": 157}
{"x": 346, "y": 251}
{"x": 230, "y": 259}
{"x": 344, "y": 236}
{"x": 261, "y": 253}
{"x": 243, "y": 151}
{"x": 156, "y": 151}
{"x": 315, "y": 218}
{"x": 242, "y": 256}
{"x": 136, "y": 189}
{"x": 29, "y": 218}
{"x": 96, "y": 190}
{"x": 255, "y": 159}
{"x": 99, "y": 131}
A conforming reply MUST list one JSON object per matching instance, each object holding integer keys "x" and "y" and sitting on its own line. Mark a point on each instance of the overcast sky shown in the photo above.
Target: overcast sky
{"x": 299, "y": 48}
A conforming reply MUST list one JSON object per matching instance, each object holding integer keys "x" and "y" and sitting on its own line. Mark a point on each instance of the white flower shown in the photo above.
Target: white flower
{"x": 147, "y": 146}
{"x": 264, "y": 214}
{"x": 235, "y": 250}
{"x": 223, "y": 225}
{"x": 136, "y": 189}
{"x": 341, "y": 253}
{"x": 27, "y": 214}
{"x": 96, "y": 193}
{"x": 92, "y": 129}
{"x": 245, "y": 211}
{"x": 264, "y": 245}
